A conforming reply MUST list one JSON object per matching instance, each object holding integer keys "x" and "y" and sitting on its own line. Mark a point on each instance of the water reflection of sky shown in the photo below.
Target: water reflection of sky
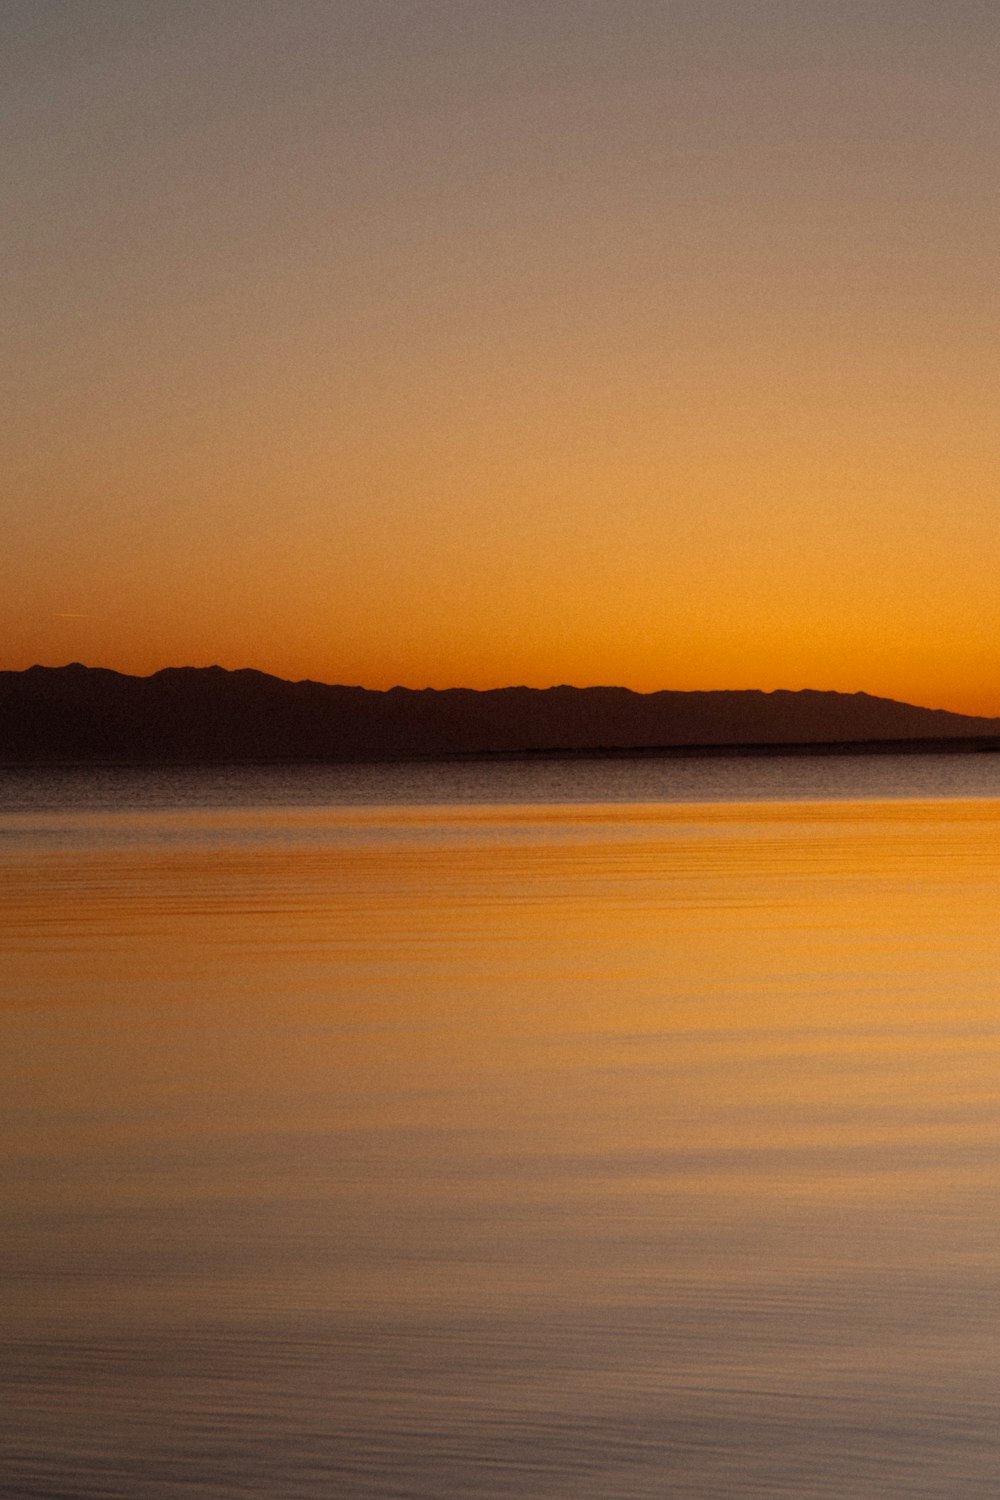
{"x": 470, "y": 826}
{"x": 528, "y": 1139}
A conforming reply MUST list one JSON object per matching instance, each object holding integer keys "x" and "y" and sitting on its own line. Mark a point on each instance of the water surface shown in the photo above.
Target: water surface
{"x": 415, "y": 1134}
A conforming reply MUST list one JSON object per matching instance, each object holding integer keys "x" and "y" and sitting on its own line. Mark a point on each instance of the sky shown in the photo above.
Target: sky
{"x": 481, "y": 342}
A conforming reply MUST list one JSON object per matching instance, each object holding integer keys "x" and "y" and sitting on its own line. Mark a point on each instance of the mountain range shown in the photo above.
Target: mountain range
{"x": 78, "y": 713}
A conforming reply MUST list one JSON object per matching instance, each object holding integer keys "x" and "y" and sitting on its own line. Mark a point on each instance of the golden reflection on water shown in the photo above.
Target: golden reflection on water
{"x": 672, "y": 1115}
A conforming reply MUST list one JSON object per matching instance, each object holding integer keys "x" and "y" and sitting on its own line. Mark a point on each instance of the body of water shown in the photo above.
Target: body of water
{"x": 598, "y": 1130}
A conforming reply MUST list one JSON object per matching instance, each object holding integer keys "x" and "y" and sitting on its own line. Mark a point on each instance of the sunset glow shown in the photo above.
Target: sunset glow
{"x": 436, "y": 344}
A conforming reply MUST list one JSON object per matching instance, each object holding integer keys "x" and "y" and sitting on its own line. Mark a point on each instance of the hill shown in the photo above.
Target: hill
{"x": 78, "y": 713}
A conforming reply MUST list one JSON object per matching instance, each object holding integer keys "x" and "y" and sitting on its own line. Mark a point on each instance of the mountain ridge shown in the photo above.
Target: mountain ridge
{"x": 80, "y": 713}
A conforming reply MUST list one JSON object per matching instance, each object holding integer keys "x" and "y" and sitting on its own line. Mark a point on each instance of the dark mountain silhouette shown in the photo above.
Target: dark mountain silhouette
{"x": 78, "y": 713}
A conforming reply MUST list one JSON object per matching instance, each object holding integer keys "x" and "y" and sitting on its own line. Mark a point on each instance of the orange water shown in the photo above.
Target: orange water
{"x": 571, "y": 1150}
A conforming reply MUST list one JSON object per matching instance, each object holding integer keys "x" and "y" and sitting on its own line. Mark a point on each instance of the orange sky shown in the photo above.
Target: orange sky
{"x": 592, "y": 341}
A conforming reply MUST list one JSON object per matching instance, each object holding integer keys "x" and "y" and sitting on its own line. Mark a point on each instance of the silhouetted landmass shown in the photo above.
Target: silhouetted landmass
{"x": 78, "y": 713}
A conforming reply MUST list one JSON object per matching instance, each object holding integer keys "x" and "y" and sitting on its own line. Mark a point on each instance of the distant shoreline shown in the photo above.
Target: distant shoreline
{"x": 950, "y": 745}
{"x": 192, "y": 716}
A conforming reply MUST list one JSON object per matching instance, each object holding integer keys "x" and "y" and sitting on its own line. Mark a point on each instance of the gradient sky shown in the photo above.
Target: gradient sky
{"x": 480, "y": 342}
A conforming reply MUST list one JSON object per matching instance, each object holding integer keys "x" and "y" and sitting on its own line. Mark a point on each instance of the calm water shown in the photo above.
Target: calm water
{"x": 583, "y": 1129}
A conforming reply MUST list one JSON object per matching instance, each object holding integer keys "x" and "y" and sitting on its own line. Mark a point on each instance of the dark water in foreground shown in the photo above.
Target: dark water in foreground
{"x": 424, "y": 1133}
